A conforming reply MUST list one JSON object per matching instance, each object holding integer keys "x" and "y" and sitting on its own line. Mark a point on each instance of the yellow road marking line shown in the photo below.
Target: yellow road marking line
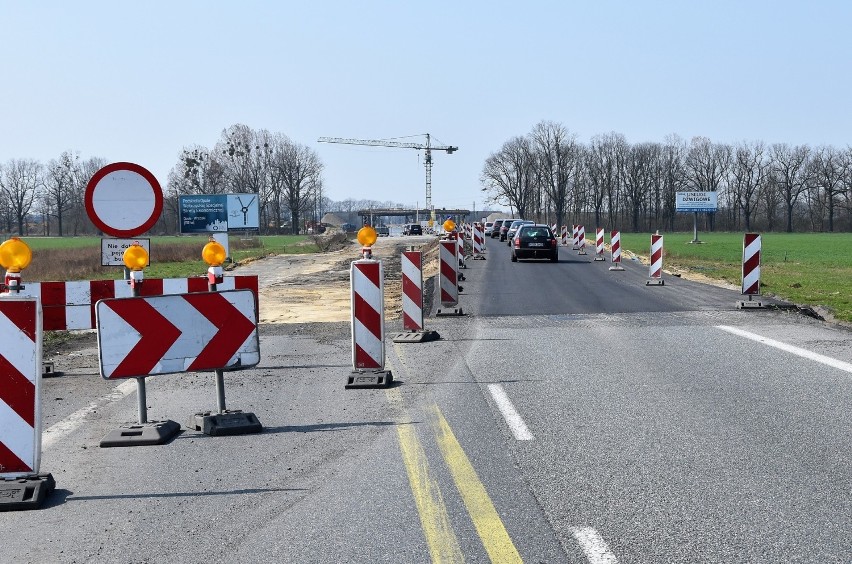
{"x": 489, "y": 526}
{"x": 434, "y": 519}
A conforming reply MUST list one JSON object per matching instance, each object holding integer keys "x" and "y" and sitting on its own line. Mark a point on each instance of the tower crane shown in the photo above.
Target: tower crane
{"x": 428, "y": 147}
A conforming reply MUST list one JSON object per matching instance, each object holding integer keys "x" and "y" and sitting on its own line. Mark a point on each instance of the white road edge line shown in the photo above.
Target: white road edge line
{"x": 60, "y": 430}
{"x": 510, "y": 414}
{"x": 593, "y": 546}
{"x": 827, "y": 360}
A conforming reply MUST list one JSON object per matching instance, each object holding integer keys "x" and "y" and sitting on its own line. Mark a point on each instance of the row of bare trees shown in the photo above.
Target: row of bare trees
{"x": 549, "y": 176}
{"x": 48, "y": 199}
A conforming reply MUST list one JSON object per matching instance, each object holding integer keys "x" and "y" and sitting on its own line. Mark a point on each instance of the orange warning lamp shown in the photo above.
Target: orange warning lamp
{"x": 135, "y": 257}
{"x": 449, "y": 225}
{"x": 15, "y": 255}
{"x": 367, "y": 236}
{"x": 213, "y": 253}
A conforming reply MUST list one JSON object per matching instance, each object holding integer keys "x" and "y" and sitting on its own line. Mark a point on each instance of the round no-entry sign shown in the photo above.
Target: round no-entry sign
{"x": 124, "y": 200}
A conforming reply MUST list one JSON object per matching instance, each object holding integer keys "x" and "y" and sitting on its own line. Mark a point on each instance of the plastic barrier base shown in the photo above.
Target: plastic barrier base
{"x": 655, "y": 282}
{"x": 26, "y": 492}
{"x": 619, "y": 268}
{"x": 449, "y": 312}
{"x": 142, "y": 434}
{"x": 228, "y": 423}
{"x": 416, "y": 337}
{"x": 374, "y": 379}
{"x": 599, "y": 258}
{"x": 749, "y": 305}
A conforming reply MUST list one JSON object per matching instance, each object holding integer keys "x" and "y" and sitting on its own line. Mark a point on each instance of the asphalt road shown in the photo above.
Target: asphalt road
{"x": 574, "y": 414}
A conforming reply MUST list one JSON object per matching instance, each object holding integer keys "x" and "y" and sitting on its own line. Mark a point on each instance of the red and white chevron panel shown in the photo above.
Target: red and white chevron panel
{"x": 656, "y": 268}
{"x": 368, "y": 315}
{"x": 412, "y": 290}
{"x": 20, "y": 386}
{"x": 478, "y": 241}
{"x": 581, "y": 239}
{"x": 599, "y": 244}
{"x": 553, "y": 228}
{"x": 449, "y": 269}
{"x": 751, "y": 264}
{"x": 564, "y": 235}
{"x": 71, "y": 305}
{"x": 576, "y": 235}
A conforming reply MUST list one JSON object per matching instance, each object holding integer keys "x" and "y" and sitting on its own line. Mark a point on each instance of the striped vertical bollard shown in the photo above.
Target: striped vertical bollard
{"x": 615, "y": 250}
{"x": 553, "y": 228}
{"x": 564, "y": 235}
{"x": 478, "y": 242}
{"x": 576, "y": 236}
{"x": 449, "y": 283}
{"x": 412, "y": 301}
{"x": 21, "y": 485}
{"x": 460, "y": 256}
{"x": 599, "y": 244}
{"x": 368, "y": 325}
{"x": 581, "y": 239}
{"x": 751, "y": 271}
{"x": 655, "y": 271}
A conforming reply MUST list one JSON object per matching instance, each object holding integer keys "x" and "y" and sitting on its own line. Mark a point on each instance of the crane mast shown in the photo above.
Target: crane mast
{"x": 427, "y": 148}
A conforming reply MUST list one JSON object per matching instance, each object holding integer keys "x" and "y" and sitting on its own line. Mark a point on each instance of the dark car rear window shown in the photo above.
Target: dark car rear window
{"x": 535, "y": 232}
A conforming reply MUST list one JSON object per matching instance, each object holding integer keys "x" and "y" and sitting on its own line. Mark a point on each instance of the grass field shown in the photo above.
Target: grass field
{"x": 812, "y": 269}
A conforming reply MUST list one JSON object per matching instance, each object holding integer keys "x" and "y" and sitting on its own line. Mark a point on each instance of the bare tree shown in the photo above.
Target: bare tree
{"x": 789, "y": 170}
{"x": 300, "y": 170}
{"x": 60, "y": 181}
{"x": 508, "y": 175}
{"x": 20, "y": 182}
{"x": 826, "y": 182}
{"x": 556, "y": 159}
{"x": 748, "y": 172}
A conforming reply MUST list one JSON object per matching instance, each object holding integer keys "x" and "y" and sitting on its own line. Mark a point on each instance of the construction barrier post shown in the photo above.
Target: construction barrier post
{"x": 224, "y": 421}
{"x": 21, "y": 484}
{"x": 412, "y": 301}
{"x": 599, "y": 244}
{"x": 576, "y": 235}
{"x": 478, "y": 242}
{"x": 449, "y": 285}
{"x": 751, "y": 271}
{"x": 564, "y": 235}
{"x": 615, "y": 250}
{"x": 368, "y": 326}
{"x": 581, "y": 239}
{"x": 655, "y": 274}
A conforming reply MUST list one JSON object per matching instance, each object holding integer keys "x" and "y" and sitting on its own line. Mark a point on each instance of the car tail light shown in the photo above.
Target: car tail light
{"x": 553, "y": 243}
{"x": 517, "y": 242}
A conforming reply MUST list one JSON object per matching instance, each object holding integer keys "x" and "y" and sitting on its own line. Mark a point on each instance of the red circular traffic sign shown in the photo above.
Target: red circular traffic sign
{"x": 124, "y": 199}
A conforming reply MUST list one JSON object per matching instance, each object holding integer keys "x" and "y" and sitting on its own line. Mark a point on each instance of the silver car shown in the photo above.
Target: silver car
{"x": 514, "y": 227}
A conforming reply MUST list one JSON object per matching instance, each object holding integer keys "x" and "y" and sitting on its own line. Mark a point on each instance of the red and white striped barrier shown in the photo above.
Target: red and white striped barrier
{"x": 449, "y": 281}
{"x": 478, "y": 242}
{"x": 71, "y": 305}
{"x": 368, "y": 315}
{"x": 576, "y": 235}
{"x": 581, "y": 239}
{"x": 412, "y": 290}
{"x": 553, "y": 229}
{"x": 751, "y": 270}
{"x": 655, "y": 273}
{"x": 599, "y": 244}
{"x": 20, "y": 386}
{"x": 564, "y": 235}
{"x": 615, "y": 250}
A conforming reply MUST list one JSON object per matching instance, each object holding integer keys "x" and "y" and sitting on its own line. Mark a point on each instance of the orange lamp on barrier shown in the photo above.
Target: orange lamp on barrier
{"x": 15, "y": 255}
{"x": 135, "y": 259}
{"x": 214, "y": 255}
{"x": 449, "y": 225}
{"x": 367, "y": 236}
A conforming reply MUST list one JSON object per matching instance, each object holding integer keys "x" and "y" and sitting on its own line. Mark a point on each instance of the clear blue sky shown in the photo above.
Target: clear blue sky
{"x": 138, "y": 81}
